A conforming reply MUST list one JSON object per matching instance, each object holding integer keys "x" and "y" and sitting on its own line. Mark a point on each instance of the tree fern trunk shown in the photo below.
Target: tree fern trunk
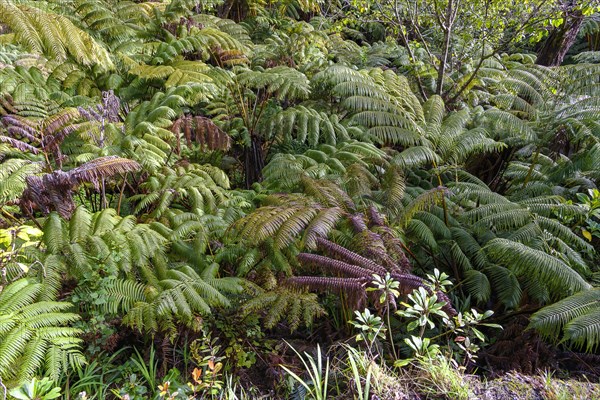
{"x": 253, "y": 161}
{"x": 560, "y": 40}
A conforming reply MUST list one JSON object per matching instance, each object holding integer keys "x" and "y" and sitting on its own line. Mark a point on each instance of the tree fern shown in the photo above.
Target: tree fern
{"x": 282, "y": 82}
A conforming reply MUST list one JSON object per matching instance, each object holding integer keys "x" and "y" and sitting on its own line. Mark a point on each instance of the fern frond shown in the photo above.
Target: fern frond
{"x": 574, "y": 318}
{"x": 287, "y": 304}
{"x": 526, "y": 261}
{"x": 53, "y": 34}
{"x": 32, "y": 331}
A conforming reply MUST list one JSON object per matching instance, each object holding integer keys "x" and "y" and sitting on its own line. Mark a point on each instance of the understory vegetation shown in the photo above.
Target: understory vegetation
{"x": 299, "y": 199}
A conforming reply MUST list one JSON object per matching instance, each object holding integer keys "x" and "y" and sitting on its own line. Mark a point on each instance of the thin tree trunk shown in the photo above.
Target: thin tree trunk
{"x": 560, "y": 40}
{"x": 253, "y": 161}
{"x": 446, "y": 25}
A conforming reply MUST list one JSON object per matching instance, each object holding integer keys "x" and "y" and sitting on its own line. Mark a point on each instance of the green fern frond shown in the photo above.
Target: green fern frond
{"x": 526, "y": 261}
{"x": 285, "y": 304}
{"x": 505, "y": 285}
{"x": 13, "y": 173}
{"x": 583, "y": 331}
{"x": 477, "y": 285}
{"x": 33, "y": 331}
{"x": 574, "y": 318}
{"x": 282, "y": 82}
{"x": 53, "y": 34}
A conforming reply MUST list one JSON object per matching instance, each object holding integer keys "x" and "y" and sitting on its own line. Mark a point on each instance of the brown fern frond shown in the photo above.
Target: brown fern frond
{"x": 354, "y": 288}
{"x": 392, "y": 243}
{"x": 229, "y": 57}
{"x": 100, "y": 168}
{"x": 54, "y": 191}
{"x": 47, "y": 193}
{"x": 335, "y": 250}
{"x": 46, "y": 134}
{"x": 375, "y": 217}
{"x": 371, "y": 245}
{"x": 19, "y": 127}
{"x": 328, "y": 193}
{"x": 333, "y": 265}
{"x": 18, "y": 144}
{"x": 358, "y": 223}
{"x": 358, "y": 274}
{"x": 59, "y": 126}
{"x": 6, "y": 105}
{"x": 201, "y": 130}
{"x": 321, "y": 225}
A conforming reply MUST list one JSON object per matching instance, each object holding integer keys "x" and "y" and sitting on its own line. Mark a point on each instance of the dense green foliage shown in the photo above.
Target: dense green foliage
{"x": 184, "y": 185}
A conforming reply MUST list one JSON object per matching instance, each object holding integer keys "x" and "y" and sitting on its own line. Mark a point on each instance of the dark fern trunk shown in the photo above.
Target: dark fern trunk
{"x": 253, "y": 161}
{"x": 560, "y": 40}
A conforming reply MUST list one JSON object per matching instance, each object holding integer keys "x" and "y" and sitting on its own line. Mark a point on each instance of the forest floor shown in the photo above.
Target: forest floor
{"x": 515, "y": 386}
{"x": 519, "y": 365}
{"x": 511, "y": 386}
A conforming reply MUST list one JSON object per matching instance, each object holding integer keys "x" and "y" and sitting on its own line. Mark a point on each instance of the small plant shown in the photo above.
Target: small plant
{"x": 423, "y": 308}
{"x": 36, "y": 389}
{"x": 13, "y": 243}
{"x": 464, "y": 326}
{"x": 205, "y": 380}
{"x": 370, "y": 326}
{"x": 207, "y": 377}
{"x": 316, "y": 387}
{"x": 133, "y": 389}
{"x": 388, "y": 288}
{"x": 438, "y": 281}
{"x": 439, "y": 378}
{"x": 591, "y": 202}
{"x": 357, "y": 362}
{"x": 147, "y": 369}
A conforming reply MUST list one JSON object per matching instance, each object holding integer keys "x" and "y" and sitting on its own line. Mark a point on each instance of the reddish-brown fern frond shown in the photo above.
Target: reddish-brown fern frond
{"x": 354, "y": 288}
{"x": 357, "y": 274}
{"x": 371, "y": 244}
{"x": 229, "y": 57}
{"x": 202, "y": 131}
{"x": 103, "y": 167}
{"x": 19, "y": 144}
{"x": 54, "y": 191}
{"x": 337, "y": 251}
{"x": 333, "y": 265}
{"x": 392, "y": 243}
{"x": 6, "y": 105}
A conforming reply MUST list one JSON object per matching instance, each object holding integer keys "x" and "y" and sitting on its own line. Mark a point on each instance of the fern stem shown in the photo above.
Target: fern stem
{"x": 6, "y": 214}
{"x": 103, "y": 191}
{"x": 121, "y": 194}
{"x": 531, "y": 167}
{"x": 391, "y": 334}
{"x": 444, "y": 205}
